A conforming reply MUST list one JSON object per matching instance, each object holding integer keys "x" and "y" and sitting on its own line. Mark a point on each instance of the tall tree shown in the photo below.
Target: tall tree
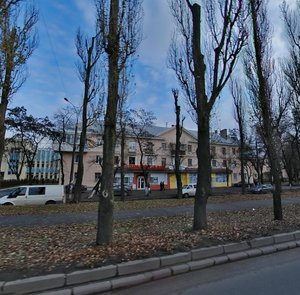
{"x": 119, "y": 23}
{"x": 89, "y": 53}
{"x": 291, "y": 68}
{"x": 17, "y": 43}
{"x": 123, "y": 116}
{"x": 179, "y": 126}
{"x": 202, "y": 74}
{"x": 259, "y": 69}
{"x": 62, "y": 121}
{"x": 240, "y": 118}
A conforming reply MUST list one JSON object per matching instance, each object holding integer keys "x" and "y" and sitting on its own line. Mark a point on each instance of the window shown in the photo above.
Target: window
{"x": 221, "y": 178}
{"x": 154, "y": 180}
{"x": 190, "y": 162}
{"x": 131, "y": 160}
{"x": 132, "y": 146}
{"x": 97, "y": 176}
{"x": 149, "y": 148}
{"x": 224, "y": 164}
{"x": 164, "y": 146}
{"x": 233, "y": 151}
{"x": 213, "y": 150}
{"x": 149, "y": 161}
{"x": 189, "y": 148}
{"x": 223, "y": 151}
{"x": 37, "y": 190}
{"x": 214, "y": 163}
{"x": 235, "y": 176}
{"x": 117, "y": 160}
{"x": 163, "y": 161}
{"x": 76, "y": 159}
{"x": 98, "y": 159}
{"x": 99, "y": 141}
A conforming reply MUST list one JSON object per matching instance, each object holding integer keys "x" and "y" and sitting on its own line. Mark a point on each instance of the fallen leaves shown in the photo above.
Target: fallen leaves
{"x": 40, "y": 250}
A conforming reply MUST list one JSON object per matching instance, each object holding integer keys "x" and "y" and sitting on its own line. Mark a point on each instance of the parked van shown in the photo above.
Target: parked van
{"x": 189, "y": 190}
{"x": 34, "y": 195}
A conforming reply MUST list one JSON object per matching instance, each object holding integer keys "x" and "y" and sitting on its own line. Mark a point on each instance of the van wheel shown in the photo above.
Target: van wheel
{"x": 186, "y": 195}
{"x": 50, "y": 202}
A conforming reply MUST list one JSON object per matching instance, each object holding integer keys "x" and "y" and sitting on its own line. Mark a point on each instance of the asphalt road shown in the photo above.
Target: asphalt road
{"x": 275, "y": 274}
{"x": 68, "y": 218}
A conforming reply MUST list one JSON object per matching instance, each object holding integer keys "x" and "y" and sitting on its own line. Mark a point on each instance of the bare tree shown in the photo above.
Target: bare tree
{"x": 179, "y": 126}
{"x": 202, "y": 74}
{"x": 259, "y": 68}
{"x": 123, "y": 116}
{"x": 139, "y": 121}
{"x": 17, "y": 43}
{"x": 62, "y": 121}
{"x": 89, "y": 53}
{"x": 119, "y": 24}
{"x": 291, "y": 66}
{"x": 240, "y": 118}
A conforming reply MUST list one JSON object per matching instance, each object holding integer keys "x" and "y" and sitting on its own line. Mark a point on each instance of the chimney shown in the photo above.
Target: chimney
{"x": 223, "y": 133}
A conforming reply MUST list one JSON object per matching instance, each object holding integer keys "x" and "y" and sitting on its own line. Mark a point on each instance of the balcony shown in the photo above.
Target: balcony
{"x": 181, "y": 153}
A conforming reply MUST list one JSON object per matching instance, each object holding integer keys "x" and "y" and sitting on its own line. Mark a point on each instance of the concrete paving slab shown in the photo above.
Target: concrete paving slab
{"x": 35, "y": 284}
{"x": 92, "y": 288}
{"x": 175, "y": 259}
{"x": 199, "y": 264}
{"x": 261, "y": 242}
{"x": 207, "y": 252}
{"x": 138, "y": 266}
{"x": 85, "y": 276}
{"x": 179, "y": 269}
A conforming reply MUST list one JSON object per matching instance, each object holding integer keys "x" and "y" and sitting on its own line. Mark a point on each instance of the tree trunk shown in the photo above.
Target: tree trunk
{"x": 122, "y": 164}
{"x": 204, "y": 174}
{"x": 106, "y": 204}
{"x": 3, "y": 107}
{"x": 178, "y": 145}
{"x": 203, "y": 116}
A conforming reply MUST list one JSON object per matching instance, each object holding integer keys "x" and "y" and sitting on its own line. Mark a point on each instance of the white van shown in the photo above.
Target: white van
{"x": 34, "y": 195}
{"x": 189, "y": 190}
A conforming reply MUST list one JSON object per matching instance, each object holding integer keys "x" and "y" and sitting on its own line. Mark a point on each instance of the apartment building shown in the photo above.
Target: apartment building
{"x": 158, "y": 158}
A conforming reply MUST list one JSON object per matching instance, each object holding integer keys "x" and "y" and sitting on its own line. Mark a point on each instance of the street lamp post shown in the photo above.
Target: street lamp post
{"x": 74, "y": 143}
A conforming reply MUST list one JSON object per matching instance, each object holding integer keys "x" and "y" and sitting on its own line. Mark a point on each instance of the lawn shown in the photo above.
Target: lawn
{"x": 61, "y": 248}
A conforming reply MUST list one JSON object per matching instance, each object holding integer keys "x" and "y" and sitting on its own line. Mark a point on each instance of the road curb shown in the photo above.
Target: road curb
{"x": 136, "y": 272}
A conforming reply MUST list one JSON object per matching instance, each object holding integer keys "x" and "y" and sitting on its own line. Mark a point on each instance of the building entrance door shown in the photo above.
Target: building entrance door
{"x": 141, "y": 182}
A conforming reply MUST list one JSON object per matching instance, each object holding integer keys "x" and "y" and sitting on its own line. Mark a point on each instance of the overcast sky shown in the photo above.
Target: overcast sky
{"x": 53, "y": 73}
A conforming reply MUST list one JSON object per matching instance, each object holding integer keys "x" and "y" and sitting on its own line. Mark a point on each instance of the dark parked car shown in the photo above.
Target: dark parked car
{"x": 262, "y": 189}
{"x": 237, "y": 184}
{"x": 117, "y": 190}
{"x": 83, "y": 188}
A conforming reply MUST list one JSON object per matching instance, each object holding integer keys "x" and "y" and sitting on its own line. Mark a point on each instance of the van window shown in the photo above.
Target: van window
{"x": 36, "y": 190}
{"x": 20, "y": 191}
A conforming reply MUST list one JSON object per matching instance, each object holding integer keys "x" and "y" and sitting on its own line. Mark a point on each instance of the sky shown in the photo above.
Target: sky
{"x": 53, "y": 74}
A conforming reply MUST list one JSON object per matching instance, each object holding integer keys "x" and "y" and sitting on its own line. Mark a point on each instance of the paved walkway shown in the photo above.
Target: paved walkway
{"x": 68, "y": 218}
